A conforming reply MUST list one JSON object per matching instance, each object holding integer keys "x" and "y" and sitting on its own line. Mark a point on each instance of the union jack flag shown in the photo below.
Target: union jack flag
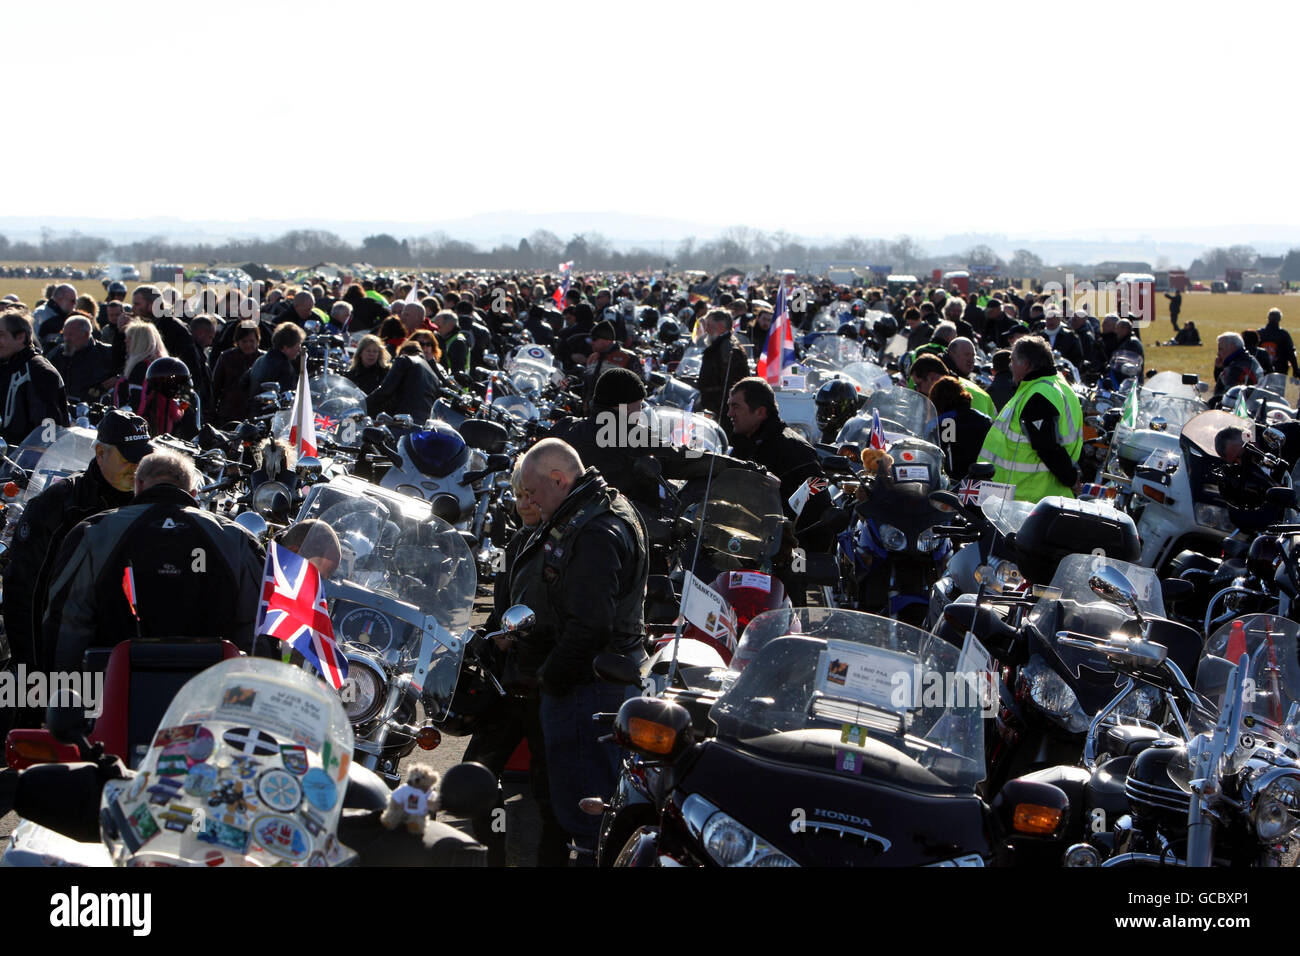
{"x": 877, "y": 432}
{"x": 778, "y": 351}
{"x": 293, "y": 610}
{"x": 324, "y": 423}
{"x": 487, "y": 396}
{"x": 969, "y": 491}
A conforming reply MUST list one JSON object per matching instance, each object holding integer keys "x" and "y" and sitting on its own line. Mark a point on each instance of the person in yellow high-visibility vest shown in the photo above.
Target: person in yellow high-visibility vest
{"x": 1035, "y": 441}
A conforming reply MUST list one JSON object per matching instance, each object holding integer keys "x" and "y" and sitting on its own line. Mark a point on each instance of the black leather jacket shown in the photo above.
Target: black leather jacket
{"x": 409, "y": 388}
{"x": 592, "y": 556}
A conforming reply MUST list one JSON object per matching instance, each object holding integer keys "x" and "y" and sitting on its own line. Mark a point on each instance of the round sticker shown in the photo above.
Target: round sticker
{"x": 200, "y": 748}
{"x": 320, "y": 789}
{"x": 282, "y": 836}
{"x": 535, "y": 352}
{"x": 734, "y": 546}
{"x": 279, "y": 790}
{"x": 201, "y": 779}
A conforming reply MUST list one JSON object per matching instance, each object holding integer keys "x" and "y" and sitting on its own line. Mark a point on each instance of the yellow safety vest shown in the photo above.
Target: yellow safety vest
{"x": 1010, "y": 452}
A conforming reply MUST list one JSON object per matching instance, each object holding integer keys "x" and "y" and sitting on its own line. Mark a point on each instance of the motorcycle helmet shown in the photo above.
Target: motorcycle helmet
{"x": 438, "y": 450}
{"x": 169, "y": 376}
{"x": 837, "y": 402}
{"x": 886, "y": 327}
{"x": 649, "y": 317}
{"x": 849, "y": 330}
{"x": 116, "y": 288}
{"x": 669, "y": 332}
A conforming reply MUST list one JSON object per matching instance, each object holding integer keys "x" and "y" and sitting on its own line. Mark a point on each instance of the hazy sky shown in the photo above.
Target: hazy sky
{"x": 874, "y": 118}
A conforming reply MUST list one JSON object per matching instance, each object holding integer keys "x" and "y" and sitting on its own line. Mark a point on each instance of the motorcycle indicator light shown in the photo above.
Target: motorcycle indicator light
{"x": 11, "y": 489}
{"x": 1035, "y": 819}
{"x": 650, "y": 736}
{"x": 428, "y": 738}
{"x": 1155, "y": 494}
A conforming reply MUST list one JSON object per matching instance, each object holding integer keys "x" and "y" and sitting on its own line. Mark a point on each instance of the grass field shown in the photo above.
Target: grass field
{"x": 1233, "y": 312}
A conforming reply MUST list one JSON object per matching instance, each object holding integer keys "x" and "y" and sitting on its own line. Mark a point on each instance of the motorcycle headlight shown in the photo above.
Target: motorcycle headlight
{"x": 1007, "y": 575}
{"x": 928, "y": 540}
{"x": 1139, "y": 703}
{"x": 362, "y": 692}
{"x": 893, "y": 538}
{"x": 727, "y": 840}
{"x": 1053, "y": 695}
{"x": 1214, "y": 516}
{"x": 1275, "y": 810}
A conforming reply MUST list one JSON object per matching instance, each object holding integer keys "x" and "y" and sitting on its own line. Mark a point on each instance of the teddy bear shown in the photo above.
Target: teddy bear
{"x": 413, "y": 801}
{"x": 875, "y": 463}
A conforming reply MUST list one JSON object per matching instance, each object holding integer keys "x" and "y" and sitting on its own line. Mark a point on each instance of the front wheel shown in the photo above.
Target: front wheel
{"x": 641, "y": 849}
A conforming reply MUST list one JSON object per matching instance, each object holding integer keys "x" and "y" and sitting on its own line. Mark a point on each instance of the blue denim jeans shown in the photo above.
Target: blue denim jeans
{"x": 578, "y": 764}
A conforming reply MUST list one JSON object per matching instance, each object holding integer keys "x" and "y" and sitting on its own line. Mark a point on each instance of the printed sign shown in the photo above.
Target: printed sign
{"x": 872, "y": 675}
{"x": 802, "y": 494}
{"x": 705, "y": 608}
{"x": 751, "y": 579}
{"x": 911, "y": 473}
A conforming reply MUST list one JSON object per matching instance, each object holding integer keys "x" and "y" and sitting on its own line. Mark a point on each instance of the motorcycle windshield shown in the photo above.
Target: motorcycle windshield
{"x": 69, "y": 453}
{"x": 517, "y": 407}
{"x": 334, "y": 396}
{"x": 837, "y": 351}
{"x": 1273, "y": 674}
{"x": 682, "y": 429}
{"x": 532, "y": 354}
{"x": 1006, "y": 514}
{"x": 678, "y": 394}
{"x": 902, "y": 412}
{"x": 530, "y": 378}
{"x": 1201, "y": 430}
{"x": 867, "y": 377}
{"x": 1070, "y": 584}
{"x": 1175, "y": 410}
{"x": 1171, "y": 384}
{"x": 1259, "y": 403}
{"x": 248, "y": 767}
{"x": 403, "y": 591}
{"x": 847, "y": 682}
{"x": 740, "y": 522}
{"x": 1284, "y": 386}
{"x": 692, "y": 359}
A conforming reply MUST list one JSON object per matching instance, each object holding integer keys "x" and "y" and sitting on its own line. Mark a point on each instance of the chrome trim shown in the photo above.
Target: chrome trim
{"x": 1126, "y": 858}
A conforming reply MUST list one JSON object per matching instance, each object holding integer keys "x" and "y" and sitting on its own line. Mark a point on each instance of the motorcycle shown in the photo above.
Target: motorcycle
{"x": 823, "y": 706}
{"x": 249, "y": 766}
{"x": 400, "y": 603}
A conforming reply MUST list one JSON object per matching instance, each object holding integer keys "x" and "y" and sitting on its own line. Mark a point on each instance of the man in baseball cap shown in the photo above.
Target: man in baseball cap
{"x": 107, "y": 483}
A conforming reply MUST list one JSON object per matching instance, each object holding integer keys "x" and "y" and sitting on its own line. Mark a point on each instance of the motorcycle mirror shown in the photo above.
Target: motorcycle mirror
{"x": 1030, "y": 808}
{"x": 981, "y": 471}
{"x": 468, "y": 790}
{"x": 518, "y": 619}
{"x": 1158, "y": 424}
{"x": 944, "y": 501}
{"x": 1174, "y": 590}
{"x": 248, "y": 432}
{"x": 374, "y": 435}
{"x": 1191, "y": 378}
{"x": 63, "y": 797}
{"x": 1111, "y": 584}
{"x": 658, "y": 379}
{"x": 406, "y": 420}
{"x": 1280, "y": 497}
{"x": 616, "y": 669}
{"x": 447, "y": 507}
{"x": 253, "y": 523}
{"x": 67, "y": 722}
{"x": 657, "y": 729}
{"x": 648, "y": 468}
{"x": 1273, "y": 438}
{"x": 498, "y": 462}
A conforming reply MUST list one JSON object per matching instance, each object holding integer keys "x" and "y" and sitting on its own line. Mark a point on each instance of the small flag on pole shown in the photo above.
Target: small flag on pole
{"x": 877, "y": 431}
{"x": 778, "y": 351}
{"x": 294, "y": 610}
{"x": 302, "y": 429}
{"x": 1130, "y": 415}
{"x": 128, "y": 588}
{"x": 1241, "y": 408}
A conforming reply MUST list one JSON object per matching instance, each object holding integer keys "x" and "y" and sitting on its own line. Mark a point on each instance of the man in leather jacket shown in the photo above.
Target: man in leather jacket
{"x": 31, "y": 390}
{"x": 591, "y": 552}
{"x": 107, "y": 482}
{"x": 723, "y": 363}
{"x": 195, "y": 574}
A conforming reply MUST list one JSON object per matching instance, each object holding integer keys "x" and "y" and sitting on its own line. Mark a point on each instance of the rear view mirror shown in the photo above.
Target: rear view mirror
{"x": 981, "y": 471}
{"x": 518, "y": 619}
{"x": 1191, "y": 378}
{"x": 1280, "y": 497}
{"x": 1174, "y": 590}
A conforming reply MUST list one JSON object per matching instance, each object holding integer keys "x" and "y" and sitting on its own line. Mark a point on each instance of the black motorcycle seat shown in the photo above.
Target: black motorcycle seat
{"x": 366, "y": 790}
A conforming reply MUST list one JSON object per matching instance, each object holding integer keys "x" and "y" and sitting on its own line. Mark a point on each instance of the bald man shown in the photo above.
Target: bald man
{"x": 591, "y": 554}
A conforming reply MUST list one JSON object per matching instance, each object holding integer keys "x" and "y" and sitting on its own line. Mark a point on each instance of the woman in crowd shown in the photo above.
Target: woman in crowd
{"x": 231, "y": 397}
{"x": 143, "y": 345}
{"x": 370, "y": 364}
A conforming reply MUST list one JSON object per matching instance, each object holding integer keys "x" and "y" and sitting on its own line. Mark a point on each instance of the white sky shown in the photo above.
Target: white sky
{"x": 873, "y": 118}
